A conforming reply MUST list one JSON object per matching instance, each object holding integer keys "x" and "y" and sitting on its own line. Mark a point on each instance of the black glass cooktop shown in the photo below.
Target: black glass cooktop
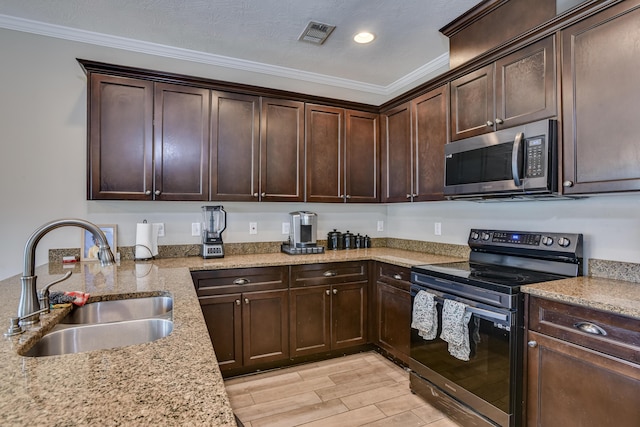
{"x": 493, "y": 277}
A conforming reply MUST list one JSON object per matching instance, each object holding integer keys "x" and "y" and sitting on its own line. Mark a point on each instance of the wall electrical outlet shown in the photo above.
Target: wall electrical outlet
{"x": 195, "y": 229}
{"x": 160, "y": 227}
{"x": 253, "y": 228}
{"x": 437, "y": 228}
{"x": 286, "y": 227}
{"x": 380, "y": 225}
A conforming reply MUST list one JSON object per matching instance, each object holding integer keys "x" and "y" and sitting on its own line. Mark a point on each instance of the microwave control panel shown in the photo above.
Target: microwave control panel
{"x": 535, "y": 149}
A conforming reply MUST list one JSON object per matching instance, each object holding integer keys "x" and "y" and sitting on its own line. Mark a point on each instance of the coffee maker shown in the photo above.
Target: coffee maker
{"x": 214, "y": 222}
{"x": 302, "y": 234}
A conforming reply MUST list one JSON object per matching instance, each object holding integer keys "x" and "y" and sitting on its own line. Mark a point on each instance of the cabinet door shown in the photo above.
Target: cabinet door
{"x": 396, "y": 154}
{"x": 265, "y": 326}
{"x": 235, "y": 121}
{"x": 600, "y": 101}
{"x": 526, "y": 85}
{"x": 394, "y": 320}
{"x": 223, "y": 316}
{"x": 348, "y": 315}
{"x": 472, "y": 104}
{"x": 282, "y": 150}
{"x": 361, "y": 159}
{"x": 572, "y": 386}
{"x": 181, "y": 143}
{"x": 120, "y": 139}
{"x": 325, "y": 149}
{"x": 310, "y": 320}
{"x": 430, "y": 125}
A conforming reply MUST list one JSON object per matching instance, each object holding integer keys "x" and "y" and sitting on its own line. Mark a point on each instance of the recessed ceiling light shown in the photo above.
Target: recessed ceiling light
{"x": 364, "y": 37}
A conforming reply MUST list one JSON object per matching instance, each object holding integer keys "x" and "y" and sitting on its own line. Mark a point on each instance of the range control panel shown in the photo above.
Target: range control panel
{"x": 568, "y": 242}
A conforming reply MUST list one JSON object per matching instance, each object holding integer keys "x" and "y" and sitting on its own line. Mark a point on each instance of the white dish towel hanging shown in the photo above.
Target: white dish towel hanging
{"x": 455, "y": 328}
{"x": 425, "y": 316}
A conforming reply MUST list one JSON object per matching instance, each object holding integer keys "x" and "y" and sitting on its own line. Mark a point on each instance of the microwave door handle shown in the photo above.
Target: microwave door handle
{"x": 516, "y": 159}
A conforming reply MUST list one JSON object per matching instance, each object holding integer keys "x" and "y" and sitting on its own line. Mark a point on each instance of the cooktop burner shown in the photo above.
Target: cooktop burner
{"x": 502, "y": 279}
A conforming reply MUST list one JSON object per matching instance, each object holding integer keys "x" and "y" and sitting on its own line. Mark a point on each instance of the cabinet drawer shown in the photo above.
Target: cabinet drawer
{"x": 399, "y": 277}
{"x": 238, "y": 280}
{"x": 618, "y": 335}
{"x": 328, "y": 274}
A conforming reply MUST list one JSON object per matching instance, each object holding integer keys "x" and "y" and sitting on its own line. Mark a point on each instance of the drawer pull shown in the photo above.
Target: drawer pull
{"x": 532, "y": 344}
{"x": 241, "y": 281}
{"x": 329, "y": 273}
{"x": 397, "y": 276}
{"x": 590, "y": 328}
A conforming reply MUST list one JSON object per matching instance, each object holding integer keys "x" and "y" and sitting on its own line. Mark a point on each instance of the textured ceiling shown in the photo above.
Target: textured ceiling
{"x": 264, "y": 33}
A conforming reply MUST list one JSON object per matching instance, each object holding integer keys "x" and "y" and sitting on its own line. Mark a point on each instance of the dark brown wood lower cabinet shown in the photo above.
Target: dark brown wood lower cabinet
{"x": 248, "y": 329}
{"x": 583, "y": 367}
{"x": 573, "y": 386}
{"x": 391, "y": 329}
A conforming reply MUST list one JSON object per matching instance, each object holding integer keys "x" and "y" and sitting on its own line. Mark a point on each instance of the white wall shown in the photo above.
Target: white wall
{"x": 43, "y": 158}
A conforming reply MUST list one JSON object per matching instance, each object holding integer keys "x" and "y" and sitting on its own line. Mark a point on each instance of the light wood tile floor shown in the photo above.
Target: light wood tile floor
{"x": 357, "y": 390}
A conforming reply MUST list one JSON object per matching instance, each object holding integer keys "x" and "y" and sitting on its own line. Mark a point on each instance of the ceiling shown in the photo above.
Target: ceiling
{"x": 261, "y": 35}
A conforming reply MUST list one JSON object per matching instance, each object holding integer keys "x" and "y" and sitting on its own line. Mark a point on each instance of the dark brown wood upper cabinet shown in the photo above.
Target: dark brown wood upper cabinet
{"x": 396, "y": 154}
{"x": 148, "y": 141}
{"x": 342, "y": 155}
{"x": 362, "y": 170}
{"x": 120, "y": 149}
{"x": 235, "y": 139}
{"x": 181, "y": 142}
{"x": 414, "y": 135}
{"x": 282, "y": 150}
{"x": 601, "y": 100}
{"x": 516, "y": 89}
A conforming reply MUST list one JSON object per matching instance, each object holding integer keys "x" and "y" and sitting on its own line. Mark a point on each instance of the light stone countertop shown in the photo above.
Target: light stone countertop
{"x": 171, "y": 381}
{"x": 616, "y": 296}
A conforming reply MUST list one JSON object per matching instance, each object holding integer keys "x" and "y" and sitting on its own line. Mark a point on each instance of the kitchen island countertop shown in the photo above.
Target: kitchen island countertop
{"x": 172, "y": 381}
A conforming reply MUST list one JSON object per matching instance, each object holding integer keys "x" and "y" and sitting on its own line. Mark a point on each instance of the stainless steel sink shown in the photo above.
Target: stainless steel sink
{"x": 77, "y": 339}
{"x": 120, "y": 310}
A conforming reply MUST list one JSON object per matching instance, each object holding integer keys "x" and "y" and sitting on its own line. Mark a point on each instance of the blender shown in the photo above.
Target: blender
{"x": 214, "y": 221}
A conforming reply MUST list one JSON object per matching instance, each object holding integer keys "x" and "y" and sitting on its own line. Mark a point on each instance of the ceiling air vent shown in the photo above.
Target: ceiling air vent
{"x": 316, "y": 32}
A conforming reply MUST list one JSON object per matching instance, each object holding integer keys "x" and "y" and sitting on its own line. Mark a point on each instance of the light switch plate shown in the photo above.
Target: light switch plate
{"x": 437, "y": 228}
{"x": 380, "y": 225}
{"x": 286, "y": 227}
{"x": 195, "y": 229}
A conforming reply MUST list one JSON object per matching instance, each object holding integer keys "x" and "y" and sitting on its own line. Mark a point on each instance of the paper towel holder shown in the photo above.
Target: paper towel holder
{"x": 146, "y": 246}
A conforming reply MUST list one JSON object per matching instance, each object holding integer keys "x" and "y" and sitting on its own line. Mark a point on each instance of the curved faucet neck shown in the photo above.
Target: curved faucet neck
{"x": 30, "y": 246}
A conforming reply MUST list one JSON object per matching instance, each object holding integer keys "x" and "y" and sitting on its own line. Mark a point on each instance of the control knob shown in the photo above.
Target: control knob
{"x": 547, "y": 241}
{"x": 485, "y": 236}
{"x": 474, "y": 235}
{"x": 564, "y": 242}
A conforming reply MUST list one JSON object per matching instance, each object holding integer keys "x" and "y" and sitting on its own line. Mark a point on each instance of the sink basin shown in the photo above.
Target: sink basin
{"x": 77, "y": 339}
{"x": 119, "y": 310}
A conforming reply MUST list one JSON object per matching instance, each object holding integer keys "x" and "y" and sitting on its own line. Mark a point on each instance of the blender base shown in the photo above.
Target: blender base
{"x": 212, "y": 250}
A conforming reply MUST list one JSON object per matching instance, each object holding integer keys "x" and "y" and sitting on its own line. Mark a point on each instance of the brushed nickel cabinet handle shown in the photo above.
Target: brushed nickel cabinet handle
{"x": 255, "y": 194}
{"x": 147, "y": 193}
{"x": 329, "y": 273}
{"x": 499, "y": 121}
{"x": 246, "y": 300}
{"x": 263, "y": 194}
{"x": 532, "y": 344}
{"x": 567, "y": 184}
{"x": 335, "y": 292}
{"x": 489, "y": 123}
{"x": 237, "y": 302}
{"x": 397, "y": 276}
{"x": 590, "y": 328}
{"x": 328, "y": 292}
{"x": 158, "y": 192}
{"x": 241, "y": 281}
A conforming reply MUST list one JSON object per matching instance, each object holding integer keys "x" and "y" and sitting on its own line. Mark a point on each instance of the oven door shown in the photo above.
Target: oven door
{"x": 489, "y": 382}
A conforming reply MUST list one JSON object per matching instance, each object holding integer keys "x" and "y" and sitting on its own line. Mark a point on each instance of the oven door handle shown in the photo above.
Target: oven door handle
{"x": 488, "y": 314}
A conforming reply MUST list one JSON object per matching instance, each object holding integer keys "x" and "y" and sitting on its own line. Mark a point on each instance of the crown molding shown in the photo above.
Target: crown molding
{"x": 116, "y": 42}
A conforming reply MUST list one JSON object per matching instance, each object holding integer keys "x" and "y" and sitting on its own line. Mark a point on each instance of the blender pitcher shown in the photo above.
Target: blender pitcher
{"x": 214, "y": 222}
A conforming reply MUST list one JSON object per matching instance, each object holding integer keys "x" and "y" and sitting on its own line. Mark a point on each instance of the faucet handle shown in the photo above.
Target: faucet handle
{"x": 43, "y": 296}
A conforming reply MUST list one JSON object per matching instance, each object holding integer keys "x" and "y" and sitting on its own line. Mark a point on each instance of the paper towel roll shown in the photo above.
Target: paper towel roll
{"x": 146, "y": 241}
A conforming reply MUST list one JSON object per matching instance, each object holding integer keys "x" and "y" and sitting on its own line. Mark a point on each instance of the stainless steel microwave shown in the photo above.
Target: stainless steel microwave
{"x": 518, "y": 161}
